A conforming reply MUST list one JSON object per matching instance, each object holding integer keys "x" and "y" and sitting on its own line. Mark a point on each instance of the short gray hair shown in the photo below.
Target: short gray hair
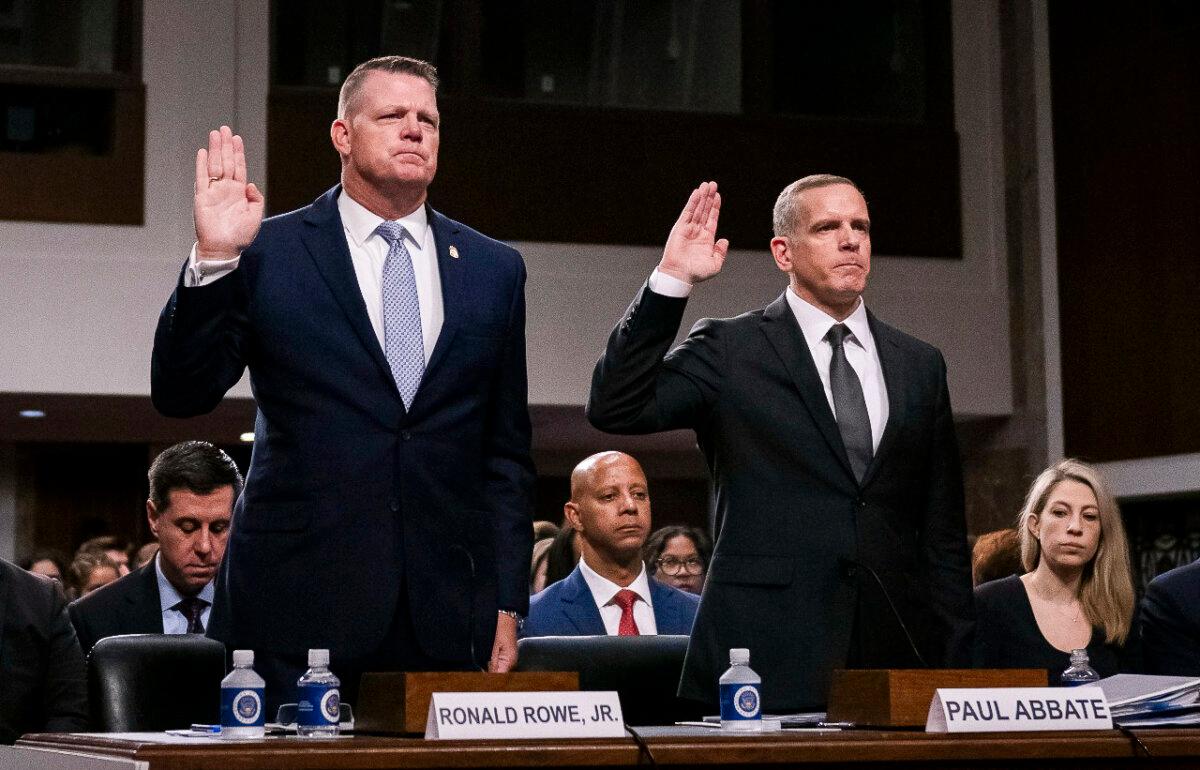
{"x": 784, "y": 216}
{"x": 395, "y": 65}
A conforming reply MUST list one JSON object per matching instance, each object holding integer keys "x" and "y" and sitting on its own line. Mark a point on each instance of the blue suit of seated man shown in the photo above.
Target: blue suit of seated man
{"x": 609, "y": 592}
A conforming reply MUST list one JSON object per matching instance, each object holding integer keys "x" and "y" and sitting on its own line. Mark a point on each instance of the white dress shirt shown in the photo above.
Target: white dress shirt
{"x": 604, "y": 590}
{"x": 368, "y": 250}
{"x": 815, "y": 323}
{"x": 174, "y": 621}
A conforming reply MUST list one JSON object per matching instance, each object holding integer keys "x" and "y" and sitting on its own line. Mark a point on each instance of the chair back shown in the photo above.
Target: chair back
{"x": 152, "y": 682}
{"x": 644, "y": 670}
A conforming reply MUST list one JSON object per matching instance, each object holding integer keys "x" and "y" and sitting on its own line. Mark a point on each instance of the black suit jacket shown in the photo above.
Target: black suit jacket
{"x": 43, "y": 687}
{"x": 354, "y": 506}
{"x": 793, "y": 523}
{"x": 1170, "y": 622}
{"x": 130, "y": 605}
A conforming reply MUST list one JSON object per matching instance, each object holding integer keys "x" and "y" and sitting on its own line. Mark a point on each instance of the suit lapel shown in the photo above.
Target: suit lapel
{"x": 145, "y": 610}
{"x": 450, "y": 269}
{"x": 580, "y": 607}
{"x": 325, "y": 238}
{"x": 666, "y": 615}
{"x": 785, "y": 336}
{"x": 891, "y": 360}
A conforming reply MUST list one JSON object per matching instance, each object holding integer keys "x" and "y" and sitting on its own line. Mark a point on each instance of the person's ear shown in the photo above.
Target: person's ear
{"x": 339, "y": 134}
{"x": 152, "y": 517}
{"x": 781, "y": 250}
{"x": 572, "y": 517}
{"x": 1034, "y": 526}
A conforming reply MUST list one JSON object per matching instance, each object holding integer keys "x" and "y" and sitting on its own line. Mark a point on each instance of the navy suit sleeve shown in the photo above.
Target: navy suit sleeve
{"x": 509, "y": 467}
{"x": 1170, "y": 633}
{"x": 944, "y": 535}
{"x": 199, "y": 346}
{"x": 637, "y": 387}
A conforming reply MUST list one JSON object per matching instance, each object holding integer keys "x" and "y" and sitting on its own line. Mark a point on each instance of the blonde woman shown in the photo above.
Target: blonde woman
{"x": 1076, "y": 592}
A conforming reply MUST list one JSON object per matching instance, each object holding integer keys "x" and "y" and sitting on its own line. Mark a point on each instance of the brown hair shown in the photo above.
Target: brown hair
{"x": 396, "y": 65}
{"x": 1106, "y": 589}
{"x": 784, "y": 215}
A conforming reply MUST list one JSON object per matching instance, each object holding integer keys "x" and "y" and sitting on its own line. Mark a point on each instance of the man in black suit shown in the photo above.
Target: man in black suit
{"x": 841, "y": 539}
{"x": 192, "y": 489}
{"x": 42, "y": 682}
{"x": 1171, "y": 622}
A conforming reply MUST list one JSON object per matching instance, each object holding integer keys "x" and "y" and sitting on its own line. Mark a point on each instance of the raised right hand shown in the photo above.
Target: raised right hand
{"x": 693, "y": 254}
{"x": 227, "y": 210}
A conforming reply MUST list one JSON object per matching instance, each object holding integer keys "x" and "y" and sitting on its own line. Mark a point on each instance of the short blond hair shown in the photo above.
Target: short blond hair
{"x": 784, "y": 216}
{"x": 396, "y": 65}
{"x": 1106, "y": 589}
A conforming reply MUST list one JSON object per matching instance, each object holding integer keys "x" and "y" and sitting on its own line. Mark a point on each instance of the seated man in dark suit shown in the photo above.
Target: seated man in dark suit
{"x": 193, "y": 486}
{"x": 610, "y": 592}
{"x": 42, "y": 683}
{"x": 1171, "y": 622}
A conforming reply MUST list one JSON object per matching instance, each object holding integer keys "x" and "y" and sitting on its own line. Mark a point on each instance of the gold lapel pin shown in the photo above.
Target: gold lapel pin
{"x": 454, "y": 252}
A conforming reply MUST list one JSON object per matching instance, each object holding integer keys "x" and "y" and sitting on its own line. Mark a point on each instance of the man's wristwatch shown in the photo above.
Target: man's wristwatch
{"x": 515, "y": 616}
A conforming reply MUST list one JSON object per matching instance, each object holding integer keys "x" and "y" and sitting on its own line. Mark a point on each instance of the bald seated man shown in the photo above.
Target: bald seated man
{"x": 609, "y": 592}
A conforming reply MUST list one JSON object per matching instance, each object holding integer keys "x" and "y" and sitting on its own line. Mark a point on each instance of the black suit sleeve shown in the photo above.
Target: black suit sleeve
{"x": 944, "y": 535}
{"x": 83, "y": 629}
{"x": 637, "y": 387}
{"x": 199, "y": 345}
{"x": 510, "y": 471}
{"x": 1170, "y": 633}
{"x": 64, "y": 697}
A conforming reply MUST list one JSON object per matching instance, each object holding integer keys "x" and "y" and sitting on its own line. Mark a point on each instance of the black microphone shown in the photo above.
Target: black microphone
{"x": 471, "y": 605}
{"x": 845, "y": 562}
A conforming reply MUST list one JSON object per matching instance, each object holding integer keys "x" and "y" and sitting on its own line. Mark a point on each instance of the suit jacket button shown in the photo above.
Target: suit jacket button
{"x": 406, "y": 435}
{"x": 394, "y": 504}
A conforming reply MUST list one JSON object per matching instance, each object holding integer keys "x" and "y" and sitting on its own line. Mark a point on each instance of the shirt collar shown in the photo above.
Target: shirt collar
{"x": 815, "y": 322}
{"x": 360, "y": 222}
{"x": 603, "y": 590}
{"x": 168, "y": 597}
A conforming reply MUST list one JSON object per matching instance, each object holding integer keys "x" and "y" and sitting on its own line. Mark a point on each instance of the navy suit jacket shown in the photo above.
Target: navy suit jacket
{"x": 131, "y": 605}
{"x": 351, "y": 499}
{"x": 1170, "y": 622}
{"x": 567, "y": 608}
{"x": 42, "y": 683}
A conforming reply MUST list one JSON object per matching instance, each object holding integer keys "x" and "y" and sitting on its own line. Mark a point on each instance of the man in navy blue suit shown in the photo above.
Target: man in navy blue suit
{"x": 1171, "y": 622}
{"x": 610, "y": 592}
{"x": 386, "y": 514}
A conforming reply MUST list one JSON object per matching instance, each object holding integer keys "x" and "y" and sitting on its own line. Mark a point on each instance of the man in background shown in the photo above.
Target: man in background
{"x": 610, "y": 591}
{"x": 1170, "y": 622}
{"x": 192, "y": 489}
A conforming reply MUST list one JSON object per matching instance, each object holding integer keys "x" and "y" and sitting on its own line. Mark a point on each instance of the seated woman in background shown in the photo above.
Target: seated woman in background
{"x": 88, "y": 572}
{"x": 1077, "y": 592}
{"x": 678, "y": 556}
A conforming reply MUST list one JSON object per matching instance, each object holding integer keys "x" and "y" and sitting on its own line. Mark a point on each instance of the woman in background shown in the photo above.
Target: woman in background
{"x": 90, "y": 571}
{"x": 1077, "y": 591}
{"x": 678, "y": 556}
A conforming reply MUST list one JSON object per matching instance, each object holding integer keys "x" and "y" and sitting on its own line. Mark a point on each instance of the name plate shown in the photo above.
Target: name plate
{"x": 469, "y": 715}
{"x": 1018, "y": 709}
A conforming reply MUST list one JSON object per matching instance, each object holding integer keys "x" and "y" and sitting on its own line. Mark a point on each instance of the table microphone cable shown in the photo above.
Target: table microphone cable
{"x": 1138, "y": 746}
{"x": 643, "y": 749}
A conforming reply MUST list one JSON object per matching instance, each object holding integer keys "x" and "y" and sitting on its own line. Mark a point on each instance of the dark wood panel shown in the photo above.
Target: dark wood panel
{"x": 1126, "y": 92}
{"x": 544, "y": 173}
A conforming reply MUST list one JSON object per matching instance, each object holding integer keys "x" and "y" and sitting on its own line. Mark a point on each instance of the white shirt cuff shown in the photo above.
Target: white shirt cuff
{"x": 203, "y": 273}
{"x": 668, "y": 285}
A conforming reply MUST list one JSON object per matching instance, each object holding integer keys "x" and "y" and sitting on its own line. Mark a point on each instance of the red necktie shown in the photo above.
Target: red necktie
{"x": 625, "y": 599}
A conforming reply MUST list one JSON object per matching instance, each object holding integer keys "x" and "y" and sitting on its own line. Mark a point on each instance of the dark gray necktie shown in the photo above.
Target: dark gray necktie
{"x": 193, "y": 608}
{"x": 849, "y": 404}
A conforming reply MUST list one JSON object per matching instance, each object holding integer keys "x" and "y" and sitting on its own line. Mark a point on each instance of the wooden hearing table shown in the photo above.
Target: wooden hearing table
{"x": 677, "y": 747}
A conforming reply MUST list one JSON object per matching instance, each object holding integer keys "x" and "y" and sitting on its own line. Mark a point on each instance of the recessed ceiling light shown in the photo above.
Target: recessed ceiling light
{"x": 247, "y": 437}
{"x": 32, "y": 414}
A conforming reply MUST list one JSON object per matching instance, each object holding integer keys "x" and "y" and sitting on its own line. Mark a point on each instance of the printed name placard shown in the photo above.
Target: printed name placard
{"x": 459, "y": 715}
{"x": 1018, "y": 709}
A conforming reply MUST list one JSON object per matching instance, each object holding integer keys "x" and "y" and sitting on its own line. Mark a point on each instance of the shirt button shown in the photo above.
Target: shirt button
{"x": 394, "y": 504}
{"x": 406, "y": 435}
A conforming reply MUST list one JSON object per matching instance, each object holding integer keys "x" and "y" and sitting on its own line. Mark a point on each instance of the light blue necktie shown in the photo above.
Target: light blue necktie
{"x": 404, "y": 342}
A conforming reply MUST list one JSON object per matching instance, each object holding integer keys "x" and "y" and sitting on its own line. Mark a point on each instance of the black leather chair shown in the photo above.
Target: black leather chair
{"x": 150, "y": 682}
{"x": 644, "y": 670}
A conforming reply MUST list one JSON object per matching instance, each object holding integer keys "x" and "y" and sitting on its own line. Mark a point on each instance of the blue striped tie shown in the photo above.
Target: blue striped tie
{"x": 404, "y": 342}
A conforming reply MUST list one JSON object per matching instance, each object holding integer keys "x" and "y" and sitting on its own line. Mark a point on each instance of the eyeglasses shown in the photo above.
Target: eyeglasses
{"x": 672, "y": 566}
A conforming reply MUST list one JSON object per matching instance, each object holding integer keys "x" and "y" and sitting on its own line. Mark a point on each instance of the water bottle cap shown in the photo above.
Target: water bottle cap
{"x": 243, "y": 657}
{"x": 739, "y": 656}
{"x": 318, "y": 658}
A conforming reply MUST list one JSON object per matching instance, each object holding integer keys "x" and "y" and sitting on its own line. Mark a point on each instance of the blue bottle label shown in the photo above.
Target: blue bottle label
{"x": 319, "y": 706}
{"x": 739, "y": 702}
{"x": 242, "y": 707}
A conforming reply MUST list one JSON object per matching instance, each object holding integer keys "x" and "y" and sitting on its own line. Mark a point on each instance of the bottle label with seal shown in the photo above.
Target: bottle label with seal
{"x": 319, "y": 706}
{"x": 242, "y": 707}
{"x": 740, "y": 702}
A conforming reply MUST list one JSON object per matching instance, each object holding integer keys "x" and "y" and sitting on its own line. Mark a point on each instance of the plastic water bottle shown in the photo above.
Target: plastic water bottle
{"x": 740, "y": 703}
{"x": 242, "y": 699}
{"x": 1080, "y": 671}
{"x": 319, "y": 708}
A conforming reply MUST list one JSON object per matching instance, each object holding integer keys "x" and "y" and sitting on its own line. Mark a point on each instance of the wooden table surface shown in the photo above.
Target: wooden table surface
{"x": 1167, "y": 748}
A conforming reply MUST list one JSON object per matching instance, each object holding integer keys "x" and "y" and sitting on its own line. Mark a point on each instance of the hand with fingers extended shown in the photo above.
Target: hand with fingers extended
{"x": 227, "y": 210}
{"x": 693, "y": 253}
